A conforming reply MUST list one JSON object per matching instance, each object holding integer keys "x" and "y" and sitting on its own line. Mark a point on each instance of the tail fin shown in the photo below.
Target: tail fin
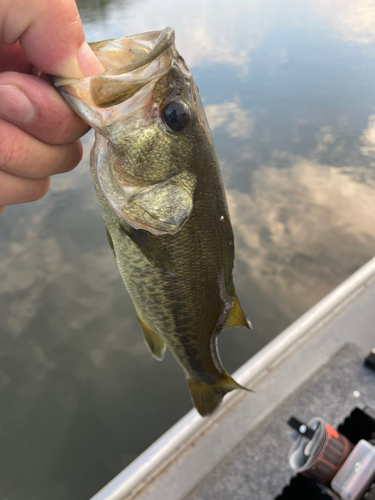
{"x": 207, "y": 397}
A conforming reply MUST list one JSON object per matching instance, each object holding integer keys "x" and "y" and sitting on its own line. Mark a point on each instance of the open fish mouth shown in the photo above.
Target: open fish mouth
{"x": 130, "y": 64}
{"x": 133, "y": 57}
{"x": 133, "y": 51}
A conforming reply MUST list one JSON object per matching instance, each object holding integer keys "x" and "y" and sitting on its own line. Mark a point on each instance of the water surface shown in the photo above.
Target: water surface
{"x": 288, "y": 90}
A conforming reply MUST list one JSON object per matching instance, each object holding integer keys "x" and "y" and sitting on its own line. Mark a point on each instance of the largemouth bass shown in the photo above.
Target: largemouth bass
{"x": 158, "y": 183}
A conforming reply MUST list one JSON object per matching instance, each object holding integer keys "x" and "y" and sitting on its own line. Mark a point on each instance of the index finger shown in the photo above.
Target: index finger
{"x": 51, "y": 36}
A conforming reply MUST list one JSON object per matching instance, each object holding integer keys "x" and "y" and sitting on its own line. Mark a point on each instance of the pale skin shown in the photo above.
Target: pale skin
{"x": 39, "y": 133}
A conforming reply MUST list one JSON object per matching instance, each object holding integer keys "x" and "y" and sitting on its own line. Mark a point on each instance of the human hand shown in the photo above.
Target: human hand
{"x": 39, "y": 133}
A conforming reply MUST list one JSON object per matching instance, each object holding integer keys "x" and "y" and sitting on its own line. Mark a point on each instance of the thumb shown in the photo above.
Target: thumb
{"x": 51, "y": 36}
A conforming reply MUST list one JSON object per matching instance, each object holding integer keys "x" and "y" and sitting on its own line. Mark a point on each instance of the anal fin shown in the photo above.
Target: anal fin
{"x": 153, "y": 341}
{"x": 237, "y": 317}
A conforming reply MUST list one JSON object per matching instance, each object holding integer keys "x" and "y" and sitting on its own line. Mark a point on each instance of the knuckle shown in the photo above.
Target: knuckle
{"x": 66, "y": 128}
{"x": 11, "y": 147}
{"x": 59, "y": 132}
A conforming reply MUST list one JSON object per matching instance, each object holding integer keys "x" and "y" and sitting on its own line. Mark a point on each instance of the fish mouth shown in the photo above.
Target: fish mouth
{"x": 130, "y": 64}
{"x": 124, "y": 55}
{"x": 145, "y": 48}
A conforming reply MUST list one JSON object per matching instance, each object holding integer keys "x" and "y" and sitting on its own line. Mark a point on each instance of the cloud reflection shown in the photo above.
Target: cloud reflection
{"x": 368, "y": 137}
{"x": 232, "y": 118}
{"x": 353, "y": 20}
{"x": 210, "y": 37}
{"x": 303, "y": 229}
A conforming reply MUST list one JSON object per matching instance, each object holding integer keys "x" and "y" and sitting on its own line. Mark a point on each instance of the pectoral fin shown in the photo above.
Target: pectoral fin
{"x": 169, "y": 203}
{"x": 150, "y": 246}
{"x": 237, "y": 317}
{"x": 153, "y": 341}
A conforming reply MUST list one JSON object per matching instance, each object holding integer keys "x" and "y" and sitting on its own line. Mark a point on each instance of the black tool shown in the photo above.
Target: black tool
{"x": 301, "y": 428}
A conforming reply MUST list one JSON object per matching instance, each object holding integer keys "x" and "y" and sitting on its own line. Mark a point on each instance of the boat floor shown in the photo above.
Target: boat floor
{"x": 258, "y": 468}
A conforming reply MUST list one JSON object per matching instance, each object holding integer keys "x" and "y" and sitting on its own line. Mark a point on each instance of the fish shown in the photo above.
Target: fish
{"x": 158, "y": 183}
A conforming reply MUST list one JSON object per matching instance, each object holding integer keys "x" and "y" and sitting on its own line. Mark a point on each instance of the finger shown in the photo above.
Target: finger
{"x": 50, "y": 34}
{"x": 12, "y": 58}
{"x": 34, "y": 105}
{"x": 14, "y": 190}
{"x": 25, "y": 156}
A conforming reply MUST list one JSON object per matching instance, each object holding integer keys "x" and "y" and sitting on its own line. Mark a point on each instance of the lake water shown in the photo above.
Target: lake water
{"x": 288, "y": 87}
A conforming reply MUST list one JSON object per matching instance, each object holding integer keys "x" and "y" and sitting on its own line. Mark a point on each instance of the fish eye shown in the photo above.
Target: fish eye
{"x": 176, "y": 115}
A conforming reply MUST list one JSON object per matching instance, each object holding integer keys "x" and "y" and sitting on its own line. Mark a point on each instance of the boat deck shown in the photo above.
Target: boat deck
{"x": 258, "y": 467}
{"x": 313, "y": 368}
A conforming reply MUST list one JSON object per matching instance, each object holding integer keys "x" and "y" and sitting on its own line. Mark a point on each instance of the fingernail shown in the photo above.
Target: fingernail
{"x": 88, "y": 62}
{"x": 15, "y": 105}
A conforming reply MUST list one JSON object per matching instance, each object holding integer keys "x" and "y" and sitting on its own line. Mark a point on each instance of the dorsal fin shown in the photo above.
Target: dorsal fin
{"x": 237, "y": 317}
{"x": 153, "y": 341}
